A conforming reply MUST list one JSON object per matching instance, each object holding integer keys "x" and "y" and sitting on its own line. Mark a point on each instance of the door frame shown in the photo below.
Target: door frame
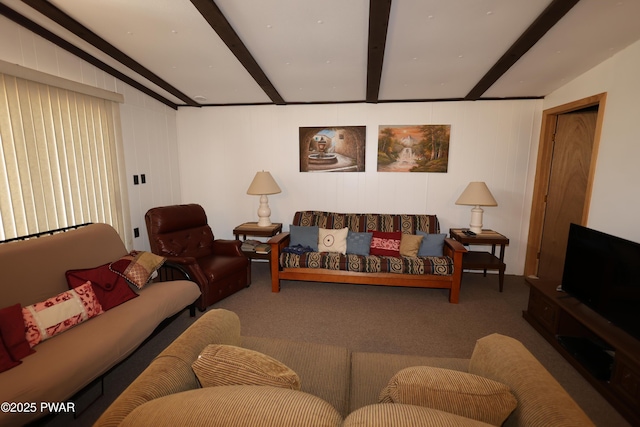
{"x": 543, "y": 173}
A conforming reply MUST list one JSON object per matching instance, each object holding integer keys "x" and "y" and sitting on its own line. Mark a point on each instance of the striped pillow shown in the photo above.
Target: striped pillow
{"x": 460, "y": 393}
{"x": 220, "y": 365}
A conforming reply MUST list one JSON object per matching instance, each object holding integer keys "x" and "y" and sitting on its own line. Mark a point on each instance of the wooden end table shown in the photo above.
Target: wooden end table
{"x": 479, "y": 260}
{"x": 252, "y": 229}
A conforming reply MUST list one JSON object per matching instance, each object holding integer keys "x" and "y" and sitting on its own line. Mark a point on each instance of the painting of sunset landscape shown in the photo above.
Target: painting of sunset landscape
{"x": 413, "y": 148}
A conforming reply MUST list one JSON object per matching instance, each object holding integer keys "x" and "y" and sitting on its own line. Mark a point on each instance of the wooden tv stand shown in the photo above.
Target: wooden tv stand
{"x": 555, "y": 314}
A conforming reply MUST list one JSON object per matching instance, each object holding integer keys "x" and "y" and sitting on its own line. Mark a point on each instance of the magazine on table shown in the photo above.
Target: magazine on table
{"x": 250, "y": 245}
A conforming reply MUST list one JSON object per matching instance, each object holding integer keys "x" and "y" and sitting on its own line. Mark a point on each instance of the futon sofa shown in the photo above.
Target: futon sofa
{"x": 361, "y": 261}
{"x": 336, "y": 387}
{"x": 35, "y": 270}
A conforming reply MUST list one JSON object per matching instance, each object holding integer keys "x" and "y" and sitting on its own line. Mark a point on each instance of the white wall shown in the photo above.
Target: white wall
{"x": 149, "y": 127}
{"x": 221, "y": 149}
{"x": 615, "y": 202}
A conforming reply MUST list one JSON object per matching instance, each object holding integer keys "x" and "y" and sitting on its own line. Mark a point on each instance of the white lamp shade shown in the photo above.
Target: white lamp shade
{"x": 476, "y": 194}
{"x": 263, "y": 183}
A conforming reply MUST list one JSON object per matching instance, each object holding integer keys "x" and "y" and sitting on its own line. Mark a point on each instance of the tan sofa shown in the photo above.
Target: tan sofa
{"x": 33, "y": 271}
{"x": 338, "y": 387}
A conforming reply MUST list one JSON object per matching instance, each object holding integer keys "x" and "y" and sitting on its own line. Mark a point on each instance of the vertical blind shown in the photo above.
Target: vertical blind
{"x": 61, "y": 160}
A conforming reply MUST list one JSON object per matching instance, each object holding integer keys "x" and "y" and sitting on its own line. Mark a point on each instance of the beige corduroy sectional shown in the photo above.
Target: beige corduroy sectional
{"x": 338, "y": 387}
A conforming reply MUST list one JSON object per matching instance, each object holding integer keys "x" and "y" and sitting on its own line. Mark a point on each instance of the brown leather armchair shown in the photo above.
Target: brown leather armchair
{"x": 181, "y": 233}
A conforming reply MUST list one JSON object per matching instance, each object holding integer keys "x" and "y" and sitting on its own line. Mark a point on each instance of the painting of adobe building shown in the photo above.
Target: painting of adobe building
{"x": 413, "y": 148}
{"x": 332, "y": 149}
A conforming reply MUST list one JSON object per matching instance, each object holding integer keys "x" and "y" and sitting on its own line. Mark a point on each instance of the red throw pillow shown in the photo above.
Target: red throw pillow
{"x": 6, "y": 362}
{"x": 13, "y": 332}
{"x": 110, "y": 288}
{"x": 386, "y": 243}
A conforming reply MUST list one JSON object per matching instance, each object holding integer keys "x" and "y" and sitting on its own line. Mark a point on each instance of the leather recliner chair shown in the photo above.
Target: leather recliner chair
{"x": 182, "y": 235}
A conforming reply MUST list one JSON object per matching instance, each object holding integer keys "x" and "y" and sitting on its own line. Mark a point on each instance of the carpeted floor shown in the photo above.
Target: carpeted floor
{"x": 374, "y": 319}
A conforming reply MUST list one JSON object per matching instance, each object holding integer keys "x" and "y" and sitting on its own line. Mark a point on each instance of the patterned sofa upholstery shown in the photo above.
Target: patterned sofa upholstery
{"x": 430, "y": 272}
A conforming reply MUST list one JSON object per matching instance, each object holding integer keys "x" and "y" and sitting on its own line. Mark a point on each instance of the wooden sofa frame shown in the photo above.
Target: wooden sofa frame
{"x": 452, "y": 248}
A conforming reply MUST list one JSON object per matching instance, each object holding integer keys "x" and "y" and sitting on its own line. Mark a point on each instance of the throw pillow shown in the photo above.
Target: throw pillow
{"x": 432, "y": 244}
{"x": 385, "y": 243}
{"x": 220, "y": 364}
{"x": 137, "y": 267}
{"x": 45, "y": 319}
{"x": 110, "y": 288}
{"x": 304, "y": 236}
{"x": 332, "y": 240}
{"x": 358, "y": 243}
{"x": 12, "y": 331}
{"x": 409, "y": 244}
{"x": 6, "y": 361}
{"x": 459, "y": 393}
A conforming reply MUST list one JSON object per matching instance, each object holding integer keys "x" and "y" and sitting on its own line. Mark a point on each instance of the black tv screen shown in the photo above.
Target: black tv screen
{"x": 603, "y": 272}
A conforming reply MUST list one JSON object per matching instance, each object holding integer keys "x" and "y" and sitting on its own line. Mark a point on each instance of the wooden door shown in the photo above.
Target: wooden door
{"x": 567, "y": 190}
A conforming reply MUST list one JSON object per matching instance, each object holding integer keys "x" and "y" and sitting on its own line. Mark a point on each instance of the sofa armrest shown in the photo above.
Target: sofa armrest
{"x": 507, "y": 360}
{"x": 281, "y": 240}
{"x": 227, "y": 247}
{"x": 451, "y": 246}
{"x": 173, "y": 271}
{"x": 277, "y": 242}
{"x": 455, "y": 250}
{"x": 170, "y": 372}
{"x": 191, "y": 267}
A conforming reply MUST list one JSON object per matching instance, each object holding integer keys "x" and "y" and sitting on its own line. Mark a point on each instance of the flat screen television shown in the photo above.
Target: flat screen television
{"x": 603, "y": 272}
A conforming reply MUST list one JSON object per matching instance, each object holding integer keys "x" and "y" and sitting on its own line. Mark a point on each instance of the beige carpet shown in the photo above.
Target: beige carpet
{"x": 376, "y": 319}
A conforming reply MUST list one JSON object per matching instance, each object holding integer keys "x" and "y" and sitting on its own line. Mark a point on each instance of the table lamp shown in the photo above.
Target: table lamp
{"x": 476, "y": 194}
{"x": 263, "y": 184}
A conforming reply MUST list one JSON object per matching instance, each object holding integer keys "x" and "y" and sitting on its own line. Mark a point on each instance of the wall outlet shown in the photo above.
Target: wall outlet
{"x": 135, "y": 179}
{"x": 136, "y": 232}
{"x": 143, "y": 179}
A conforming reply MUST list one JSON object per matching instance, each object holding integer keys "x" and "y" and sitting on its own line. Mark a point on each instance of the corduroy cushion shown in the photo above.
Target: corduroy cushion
{"x": 394, "y": 415}
{"x": 232, "y": 406}
{"x": 220, "y": 365}
{"x": 460, "y": 393}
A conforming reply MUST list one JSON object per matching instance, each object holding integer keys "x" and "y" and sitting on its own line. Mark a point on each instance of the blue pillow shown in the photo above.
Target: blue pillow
{"x": 432, "y": 244}
{"x": 358, "y": 243}
{"x": 304, "y": 236}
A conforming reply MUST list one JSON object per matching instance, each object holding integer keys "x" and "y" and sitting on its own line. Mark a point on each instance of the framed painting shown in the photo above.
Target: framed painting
{"x": 413, "y": 148}
{"x": 332, "y": 149}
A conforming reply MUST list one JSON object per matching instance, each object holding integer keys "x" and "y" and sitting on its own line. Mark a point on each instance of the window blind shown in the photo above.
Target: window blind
{"x": 61, "y": 160}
